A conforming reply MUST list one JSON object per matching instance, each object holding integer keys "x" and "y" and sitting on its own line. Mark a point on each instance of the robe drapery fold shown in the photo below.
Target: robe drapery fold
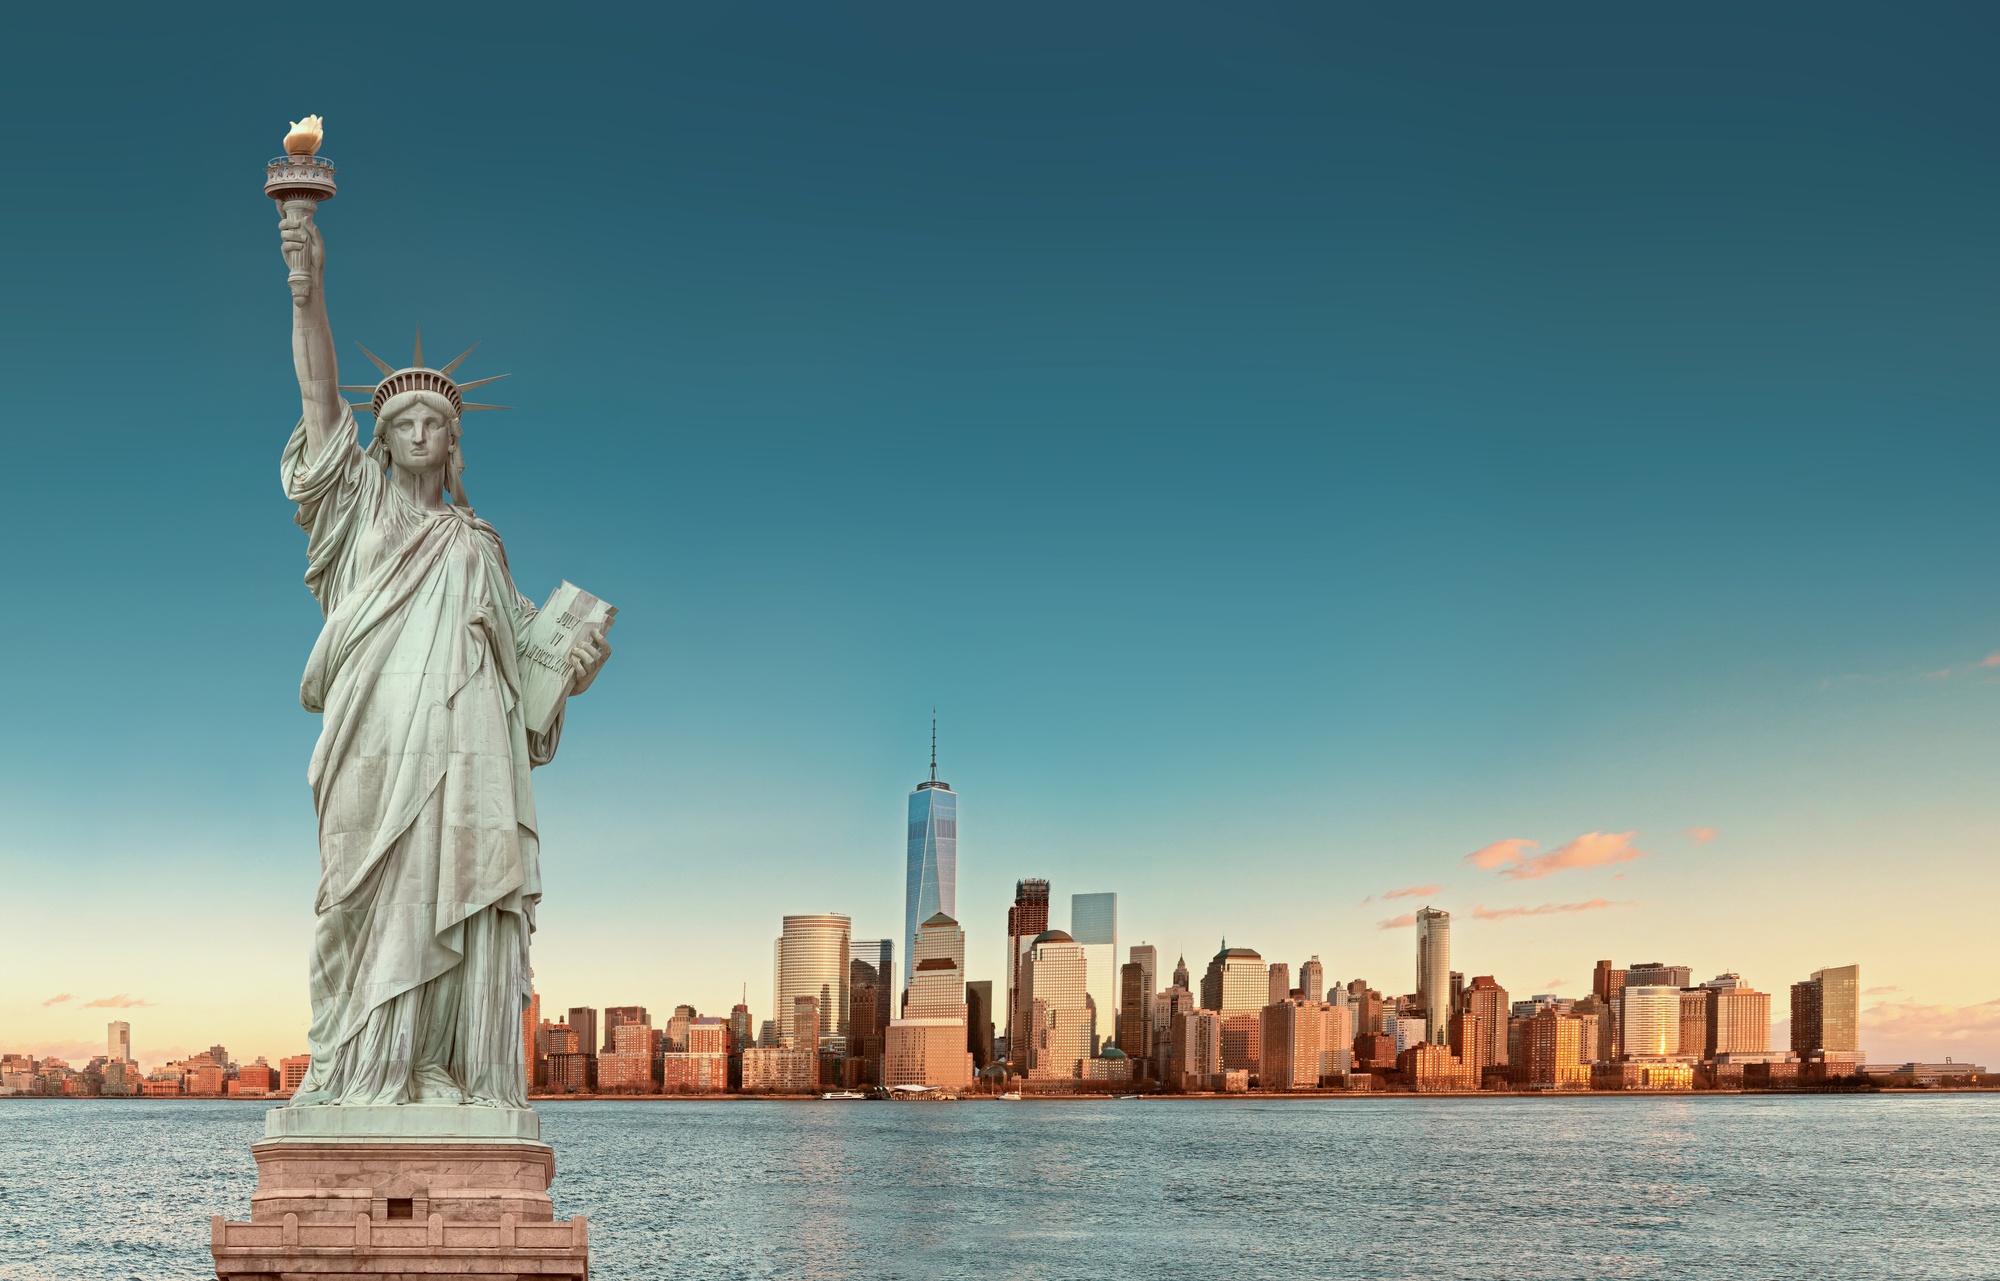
{"x": 429, "y": 860}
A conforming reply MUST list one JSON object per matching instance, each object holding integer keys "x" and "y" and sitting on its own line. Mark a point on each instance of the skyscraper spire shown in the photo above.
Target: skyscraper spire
{"x": 933, "y": 743}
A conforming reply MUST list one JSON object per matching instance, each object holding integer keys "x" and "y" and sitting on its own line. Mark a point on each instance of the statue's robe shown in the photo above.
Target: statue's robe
{"x": 429, "y": 861}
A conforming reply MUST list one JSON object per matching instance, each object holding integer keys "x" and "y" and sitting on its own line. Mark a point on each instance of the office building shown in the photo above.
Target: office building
{"x": 1147, "y": 958}
{"x": 811, "y": 959}
{"x": 1194, "y": 1050}
{"x": 937, "y": 983}
{"x": 1552, "y": 1049}
{"x": 1366, "y": 1003}
{"x": 1278, "y": 983}
{"x": 1739, "y": 1018}
{"x": 930, "y": 873}
{"x": 1694, "y": 1020}
{"x": 1236, "y": 982}
{"x": 1434, "y": 1069}
{"x": 1173, "y": 1001}
{"x": 1056, "y": 1003}
{"x": 1312, "y": 982}
{"x": 292, "y": 1071}
{"x": 1135, "y": 1012}
{"x": 1434, "y": 973}
{"x": 927, "y": 1050}
{"x": 628, "y": 1067}
{"x": 1826, "y": 1020}
{"x": 1027, "y": 919}
{"x": 1306, "y": 1044}
{"x": 118, "y": 1042}
{"x": 1607, "y": 982}
{"x": 1654, "y": 974}
{"x": 874, "y": 961}
{"x": 1181, "y": 974}
{"x": 1487, "y": 1000}
{"x": 979, "y": 1022}
{"x": 582, "y": 1020}
{"x": 1650, "y": 1021}
{"x": 1599, "y": 1021}
{"x": 741, "y": 1037}
{"x": 1093, "y": 923}
{"x": 617, "y": 1016}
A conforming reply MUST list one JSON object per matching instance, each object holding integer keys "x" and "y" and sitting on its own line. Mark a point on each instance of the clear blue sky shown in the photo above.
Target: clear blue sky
{"x": 1293, "y": 449}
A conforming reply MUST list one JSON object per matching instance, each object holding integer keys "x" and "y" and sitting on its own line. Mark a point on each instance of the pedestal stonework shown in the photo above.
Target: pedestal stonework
{"x": 390, "y": 1193}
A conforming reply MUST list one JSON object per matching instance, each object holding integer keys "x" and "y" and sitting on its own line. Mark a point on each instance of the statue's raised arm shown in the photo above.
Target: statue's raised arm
{"x": 312, "y": 341}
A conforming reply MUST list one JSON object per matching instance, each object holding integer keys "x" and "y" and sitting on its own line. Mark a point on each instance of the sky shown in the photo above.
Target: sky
{"x": 1317, "y": 461}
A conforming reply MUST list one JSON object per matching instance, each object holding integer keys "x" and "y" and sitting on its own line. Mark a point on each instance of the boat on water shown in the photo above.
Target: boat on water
{"x": 842, "y": 1094}
{"x": 1011, "y": 1096}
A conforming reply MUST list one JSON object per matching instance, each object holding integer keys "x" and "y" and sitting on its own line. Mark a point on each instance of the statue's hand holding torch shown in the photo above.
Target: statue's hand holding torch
{"x": 299, "y": 180}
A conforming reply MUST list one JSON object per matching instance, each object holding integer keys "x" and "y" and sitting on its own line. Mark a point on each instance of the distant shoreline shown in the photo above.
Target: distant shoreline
{"x": 1252, "y": 1096}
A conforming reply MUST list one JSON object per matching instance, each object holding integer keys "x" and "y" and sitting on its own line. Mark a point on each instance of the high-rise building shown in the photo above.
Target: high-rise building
{"x": 531, "y": 1018}
{"x": 879, "y": 958}
{"x": 1826, "y": 1013}
{"x": 118, "y": 1042}
{"x": 627, "y": 1068}
{"x": 930, "y": 874}
{"x": 1553, "y": 1043}
{"x": 1312, "y": 982}
{"x": 582, "y": 1020}
{"x": 1457, "y": 988}
{"x": 1600, "y": 1038}
{"x": 1027, "y": 919}
{"x": 1486, "y": 1000}
{"x": 677, "y": 1029}
{"x": 617, "y": 1016}
{"x": 741, "y": 1037}
{"x": 1093, "y": 923}
{"x": 812, "y": 960}
{"x": 979, "y": 1022}
{"x": 1147, "y": 958}
{"x": 1181, "y": 974}
{"x": 1366, "y": 1003}
{"x": 1306, "y": 1044}
{"x": 1434, "y": 973}
{"x": 1278, "y": 983}
{"x": 1654, "y": 974}
{"x": 1194, "y": 1050}
{"x": 1739, "y": 1017}
{"x": 1174, "y": 1000}
{"x": 1694, "y": 1020}
{"x": 1607, "y": 983}
{"x": 1056, "y": 1002}
{"x": 937, "y": 983}
{"x": 1236, "y": 982}
{"x": 1135, "y": 1012}
{"x": 1650, "y": 1021}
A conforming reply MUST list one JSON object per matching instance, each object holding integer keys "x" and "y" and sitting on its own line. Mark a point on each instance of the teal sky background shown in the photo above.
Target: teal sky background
{"x": 1293, "y": 448}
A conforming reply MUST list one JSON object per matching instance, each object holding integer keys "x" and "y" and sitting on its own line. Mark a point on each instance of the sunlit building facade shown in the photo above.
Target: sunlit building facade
{"x": 1650, "y": 1021}
{"x": 1434, "y": 972}
{"x": 1093, "y": 923}
{"x": 1054, "y": 985}
{"x": 930, "y": 873}
{"x": 811, "y": 959}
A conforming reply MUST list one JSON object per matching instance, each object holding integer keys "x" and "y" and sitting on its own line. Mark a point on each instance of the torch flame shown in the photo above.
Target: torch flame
{"x": 304, "y": 138}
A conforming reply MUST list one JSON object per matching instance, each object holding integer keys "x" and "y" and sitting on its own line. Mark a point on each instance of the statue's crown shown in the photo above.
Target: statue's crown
{"x": 418, "y": 376}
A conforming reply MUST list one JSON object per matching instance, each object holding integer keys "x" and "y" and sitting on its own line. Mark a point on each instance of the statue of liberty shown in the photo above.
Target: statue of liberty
{"x": 429, "y": 859}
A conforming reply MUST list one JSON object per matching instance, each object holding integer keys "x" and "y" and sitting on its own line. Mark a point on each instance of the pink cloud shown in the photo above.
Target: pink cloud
{"x": 1546, "y": 909}
{"x": 1508, "y": 851}
{"x": 1592, "y": 849}
{"x": 1899, "y": 1031}
{"x": 1991, "y": 660}
{"x": 1880, "y": 991}
{"x": 1553, "y": 984}
{"x": 1403, "y": 922}
{"x": 1413, "y": 891}
{"x": 1701, "y": 835}
{"x": 118, "y": 1002}
{"x": 58, "y": 1000}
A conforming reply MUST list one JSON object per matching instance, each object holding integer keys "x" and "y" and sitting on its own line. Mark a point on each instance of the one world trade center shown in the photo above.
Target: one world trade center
{"x": 930, "y": 883}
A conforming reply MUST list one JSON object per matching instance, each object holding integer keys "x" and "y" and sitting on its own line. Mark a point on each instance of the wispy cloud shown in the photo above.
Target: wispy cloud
{"x": 1413, "y": 891}
{"x": 1546, "y": 909}
{"x": 1553, "y": 984}
{"x": 1991, "y": 660}
{"x": 1512, "y": 860}
{"x": 1982, "y": 669}
{"x": 1923, "y": 1031}
{"x": 1511, "y": 850}
{"x": 1403, "y": 922}
{"x": 1880, "y": 991}
{"x": 58, "y": 1000}
{"x": 118, "y": 1002}
{"x": 1701, "y": 835}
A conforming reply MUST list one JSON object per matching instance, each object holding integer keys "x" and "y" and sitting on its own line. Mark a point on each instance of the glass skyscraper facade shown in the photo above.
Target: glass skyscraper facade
{"x": 1093, "y": 923}
{"x": 1434, "y": 973}
{"x": 930, "y": 883}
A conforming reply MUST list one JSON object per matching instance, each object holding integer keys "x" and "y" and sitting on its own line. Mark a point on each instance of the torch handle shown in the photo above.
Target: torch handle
{"x": 300, "y": 281}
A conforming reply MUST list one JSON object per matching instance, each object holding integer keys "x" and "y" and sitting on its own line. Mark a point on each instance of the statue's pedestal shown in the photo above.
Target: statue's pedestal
{"x": 399, "y": 1193}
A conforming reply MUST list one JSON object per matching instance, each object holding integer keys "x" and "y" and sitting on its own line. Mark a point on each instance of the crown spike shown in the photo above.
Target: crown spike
{"x": 470, "y": 407}
{"x": 380, "y": 363}
{"x": 364, "y": 406}
{"x": 367, "y": 387}
{"x": 418, "y": 359}
{"x": 481, "y": 382}
{"x": 461, "y": 356}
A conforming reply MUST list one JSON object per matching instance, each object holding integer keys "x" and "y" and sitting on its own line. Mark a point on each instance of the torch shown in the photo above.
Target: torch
{"x": 298, "y": 181}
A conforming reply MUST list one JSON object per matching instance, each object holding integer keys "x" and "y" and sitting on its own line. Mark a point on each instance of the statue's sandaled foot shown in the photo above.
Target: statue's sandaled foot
{"x": 434, "y": 1085}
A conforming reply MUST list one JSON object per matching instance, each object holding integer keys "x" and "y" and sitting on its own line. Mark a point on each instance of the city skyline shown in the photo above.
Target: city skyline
{"x": 1315, "y": 448}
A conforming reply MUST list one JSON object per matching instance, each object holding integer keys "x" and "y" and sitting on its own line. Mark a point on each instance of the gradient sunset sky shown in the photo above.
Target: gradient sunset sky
{"x": 1535, "y": 461}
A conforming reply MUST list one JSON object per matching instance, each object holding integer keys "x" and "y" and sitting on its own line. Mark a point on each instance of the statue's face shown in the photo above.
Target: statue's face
{"x": 419, "y": 439}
